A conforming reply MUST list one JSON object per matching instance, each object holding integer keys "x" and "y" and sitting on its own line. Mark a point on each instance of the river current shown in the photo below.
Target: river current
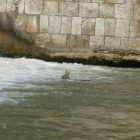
{"x": 36, "y": 104}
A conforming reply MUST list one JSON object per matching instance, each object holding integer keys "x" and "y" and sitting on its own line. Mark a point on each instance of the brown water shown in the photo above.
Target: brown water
{"x": 36, "y": 104}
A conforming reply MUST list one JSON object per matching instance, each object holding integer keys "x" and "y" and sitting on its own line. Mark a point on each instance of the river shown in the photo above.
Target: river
{"x": 36, "y": 104}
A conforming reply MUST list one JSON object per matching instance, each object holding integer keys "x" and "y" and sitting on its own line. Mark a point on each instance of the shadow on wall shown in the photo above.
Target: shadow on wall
{"x": 8, "y": 36}
{"x": 7, "y": 21}
{"x": 12, "y": 45}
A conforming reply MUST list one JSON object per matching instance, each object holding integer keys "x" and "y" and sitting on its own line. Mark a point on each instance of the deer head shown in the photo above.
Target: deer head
{"x": 66, "y": 76}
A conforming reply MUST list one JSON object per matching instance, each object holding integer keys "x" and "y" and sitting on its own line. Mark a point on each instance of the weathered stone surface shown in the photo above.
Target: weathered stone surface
{"x": 138, "y": 28}
{"x": 115, "y": 1}
{"x": 88, "y": 26}
{"x": 102, "y": 48}
{"x": 136, "y": 44}
{"x": 122, "y": 28}
{"x": 21, "y": 6}
{"x": 137, "y": 12}
{"x": 66, "y": 25}
{"x": 42, "y": 40}
{"x": 54, "y": 24}
{"x": 68, "y": 9}
{"x": 32, "y": 24}
{"x": 99, "y": 1}
{"x": 58, "y": 40}
{"x": 50, "y": 8}
{"x": 126, "y": 43}
{"x": 131, "y": 1}
{"x": 7, "y": 21}
{"x": 10, "y": 6}
{"x": 110, "y": 27}
{"x": 76, "y": 25}
{"x": 123, "y": 11}
{"x": 96, "y": 42}
{"x": 107, "y": 11}
{"x": 112, "y": 43}
{"x": 83, "y": 0}
{"x": 33, "y": 6}
{"x": 76, "y": 41}
{"x": 133, "y": 28}
{"x": 44, "y": 23}
{"x": 2, "y": 5}
{"x": 88, "y": 9}
{"x": 99, "y": 28}
{"x": 20, "y": 23}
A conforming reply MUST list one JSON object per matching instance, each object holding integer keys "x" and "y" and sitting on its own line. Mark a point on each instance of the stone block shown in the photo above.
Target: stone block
{"x": 126, "y": 43}
{"x": 133, "y": 2}
{"x": 76, "y": 41}
{"x": 66, "y": 25}
{"x": 68, "y": 9}
{"x": 102, "y": 48}
{"x": 137, "y": 12}
{"x": 76, "y": 25}
{"x": 138, "y": 28}
{"x": 110, "y": 27}
{"x": 2, "y": 5}
{"x": 88, "y": 9}
{"x": 62, "y": 8}
{"x": 42, "y": 40}
{"x": 112, "y": 43}
{"x": 115, "y": 1}
{"x": 58, "y": 40}
{"x": 98, "y": 1}
{"x": 124, "y": 11}
{"x": 138, "y": 2}
{"x": 21, "y": 6}
{"x": 83, "y": 0}
{"x": 122, "y": 28}
{"x": 7, "y": 21}
{"x": 136, "y": 44}
{"x": 133, "y": 28}
{"x": 88, "y": 26}
{"x": 50, "y": 8}
{"x": 96, "y": 41}
{"x": 54, "y": 24}
{"x": 32, "y": 24}
{"x": 44, "y": 23}
{"x": 20, "y": 23}
{"x": 10, "y": 6}
{"x": 33, "y": 6}
{"x": 99, "y": 28}
{"x": 107, "y": 11}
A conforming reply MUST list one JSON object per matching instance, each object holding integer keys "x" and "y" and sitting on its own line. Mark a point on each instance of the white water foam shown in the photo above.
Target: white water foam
{"x": 22, "y": 73}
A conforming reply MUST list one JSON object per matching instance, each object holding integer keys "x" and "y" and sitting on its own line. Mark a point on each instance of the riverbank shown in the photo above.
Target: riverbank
{"x": 104, "y": 58}
{"x": 100, "y": 58}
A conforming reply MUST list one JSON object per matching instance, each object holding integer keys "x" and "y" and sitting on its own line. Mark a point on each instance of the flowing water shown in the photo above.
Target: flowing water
{"x": 36, "y": 104}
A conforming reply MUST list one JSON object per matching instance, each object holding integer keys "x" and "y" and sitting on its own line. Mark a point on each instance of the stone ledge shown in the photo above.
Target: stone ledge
{"x": 115, "y": 60}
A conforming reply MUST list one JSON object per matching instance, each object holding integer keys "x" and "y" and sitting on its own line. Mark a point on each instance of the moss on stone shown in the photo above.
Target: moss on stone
{"x": 42, "y": 54}
{"x": 28, "y": 52}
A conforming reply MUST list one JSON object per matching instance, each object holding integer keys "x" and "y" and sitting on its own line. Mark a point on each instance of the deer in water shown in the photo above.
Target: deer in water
{"x": 66, "y": 76}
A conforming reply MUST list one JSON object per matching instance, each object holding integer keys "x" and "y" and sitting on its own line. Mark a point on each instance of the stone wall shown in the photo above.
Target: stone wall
{"x": 74, "y": 25}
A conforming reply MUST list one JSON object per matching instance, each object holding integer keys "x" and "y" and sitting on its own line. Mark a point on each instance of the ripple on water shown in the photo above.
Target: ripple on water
{"x": 37, "y": 104}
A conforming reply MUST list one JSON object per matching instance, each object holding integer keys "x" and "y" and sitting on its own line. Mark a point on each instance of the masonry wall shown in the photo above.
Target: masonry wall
{"x": 74, "y": 25}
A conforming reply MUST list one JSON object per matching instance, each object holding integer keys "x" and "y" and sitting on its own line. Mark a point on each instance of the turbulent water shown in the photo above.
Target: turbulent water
{"x": 36, "y": 104}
